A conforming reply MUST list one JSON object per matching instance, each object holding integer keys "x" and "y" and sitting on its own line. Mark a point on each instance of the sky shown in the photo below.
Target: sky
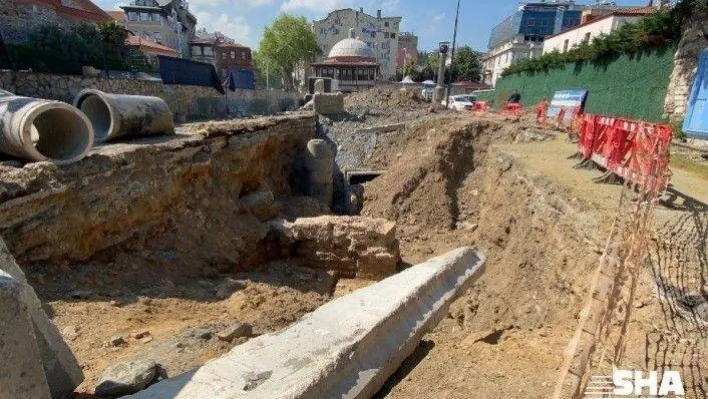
{"x": 431, "y": 20}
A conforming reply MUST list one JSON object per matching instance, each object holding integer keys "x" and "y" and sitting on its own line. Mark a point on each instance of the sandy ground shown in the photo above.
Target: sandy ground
{"x": 499, "y": 352}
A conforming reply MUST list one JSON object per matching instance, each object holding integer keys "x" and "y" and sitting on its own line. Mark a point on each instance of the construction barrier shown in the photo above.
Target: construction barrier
{"x": 481, "y": 106}
{"x": 542, "y": 112}
{"x": 512, "y": 109}
{"x": 635, "y": 151}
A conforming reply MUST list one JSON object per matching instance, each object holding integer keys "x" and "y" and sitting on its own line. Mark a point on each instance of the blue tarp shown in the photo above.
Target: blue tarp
{"x": 241, "y": 79}
{"x": 185, "y": 72}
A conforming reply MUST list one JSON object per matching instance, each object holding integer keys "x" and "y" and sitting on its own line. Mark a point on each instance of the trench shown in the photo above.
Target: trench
{"x": 176, "y": 239}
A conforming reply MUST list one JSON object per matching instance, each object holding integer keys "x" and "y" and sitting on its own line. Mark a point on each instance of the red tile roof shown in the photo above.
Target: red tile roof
{"x": 81, "y": 10}
{"x": 150, "y": 47}
{"x": 117, "y": 15}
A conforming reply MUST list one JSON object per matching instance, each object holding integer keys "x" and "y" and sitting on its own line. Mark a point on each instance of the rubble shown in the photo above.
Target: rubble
{"x": 127, "y": 378}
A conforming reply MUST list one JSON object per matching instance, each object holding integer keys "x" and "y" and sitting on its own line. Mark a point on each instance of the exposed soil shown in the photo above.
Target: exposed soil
{"x": 542, "y": 224}
{"x": 450, "y": 180}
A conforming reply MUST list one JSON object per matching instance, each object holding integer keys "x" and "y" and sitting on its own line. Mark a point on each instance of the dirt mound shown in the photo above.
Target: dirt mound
{"x": 424, "y": 169}
{"x": 384, "y": 97}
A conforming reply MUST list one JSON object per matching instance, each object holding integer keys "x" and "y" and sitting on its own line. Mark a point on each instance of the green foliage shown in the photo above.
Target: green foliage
{"x": 410, "y": 68}
{"x": 631, "y": 85}
{"x": 55, "y": 49}
{"x": 659, "y": 29}
{"x": 467, "y": 66}
{"x": 260, "y": 67}
{"x": 287, "y": 42}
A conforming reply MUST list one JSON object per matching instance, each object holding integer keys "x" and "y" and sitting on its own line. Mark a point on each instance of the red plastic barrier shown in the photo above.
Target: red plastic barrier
{"x": 587, "y": 135}
{"x": 647, "y": 161}
{"x": 512, "y": 109}
{"x": 480, "y": 106}
{"x": 577, "y": 122}
{"x": 636, "y": 151}
{"x": 542, "y": 112}
{"x": 603, "y": 135}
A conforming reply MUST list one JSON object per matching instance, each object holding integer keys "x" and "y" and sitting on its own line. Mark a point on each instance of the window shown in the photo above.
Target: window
{"x": 386, "y": 24}
{"x": 244, "y": 56}
{"x": 233, "y": 55}
{"x": 223, "y": 56}
{"x": 587, "y": 37}
{"x": 144, "y": 16}
{"x": 531, "y": 22}
{"x": 386, "y": 35}
{"x": 208, "y": 51}
{"x": 566, "y": 43}
{"x": 393, "y": 35}
{"x": 373, "y": 34}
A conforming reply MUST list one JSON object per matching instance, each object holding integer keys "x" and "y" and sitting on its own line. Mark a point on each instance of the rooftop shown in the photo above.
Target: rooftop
{"x": 83, "y": 10}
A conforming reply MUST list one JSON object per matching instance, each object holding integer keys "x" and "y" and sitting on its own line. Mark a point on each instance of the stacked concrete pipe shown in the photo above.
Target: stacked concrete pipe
{"x": 122, "y": 115}
{"x": 43, "y": 130}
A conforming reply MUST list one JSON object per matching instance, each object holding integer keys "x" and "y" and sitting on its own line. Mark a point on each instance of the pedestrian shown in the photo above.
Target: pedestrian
{"x": 515, "y": 97}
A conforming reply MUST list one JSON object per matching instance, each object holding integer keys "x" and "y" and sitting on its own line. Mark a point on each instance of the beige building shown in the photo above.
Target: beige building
{"x": 378, "y": 32}
{"x": 501, "y": 57}
{"x": 592, "y": 27}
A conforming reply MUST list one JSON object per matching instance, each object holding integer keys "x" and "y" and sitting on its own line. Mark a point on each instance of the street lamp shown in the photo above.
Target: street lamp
{"x": 439, "y": 93}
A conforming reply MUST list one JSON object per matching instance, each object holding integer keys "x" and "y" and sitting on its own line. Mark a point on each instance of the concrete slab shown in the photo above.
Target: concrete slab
{"x": 329, "y": 103}
{"x": 21, "y": 372}
{"x": 346, "y": 349}
{"x": 63, "y": 373}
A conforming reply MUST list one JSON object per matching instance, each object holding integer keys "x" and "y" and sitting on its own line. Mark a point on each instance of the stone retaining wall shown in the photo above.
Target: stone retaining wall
{"x": 186, "y": 102}
{"x": 685, "y": 64}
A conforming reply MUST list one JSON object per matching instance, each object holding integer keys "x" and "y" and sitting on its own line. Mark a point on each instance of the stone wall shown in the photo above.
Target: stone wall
{"x": 186, "y": 102}
{"x": 17, "y": 19}
{"x": 167, "y": 195}
{"x": 685, "y": 63}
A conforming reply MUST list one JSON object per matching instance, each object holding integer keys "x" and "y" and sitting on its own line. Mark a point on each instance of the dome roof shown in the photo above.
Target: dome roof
{"x": 351, "y": 48}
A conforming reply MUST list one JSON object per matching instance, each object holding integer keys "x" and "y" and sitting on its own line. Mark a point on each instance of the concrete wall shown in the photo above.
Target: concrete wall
{"x": 186, "y": 102}
{"x": 685, "y": 64}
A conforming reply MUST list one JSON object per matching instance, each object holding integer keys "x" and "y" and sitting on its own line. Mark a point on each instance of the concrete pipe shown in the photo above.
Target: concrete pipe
{"x": 43, "y": 130}
{"x": 119, "y": 115}
{"x": 320, "y": 161}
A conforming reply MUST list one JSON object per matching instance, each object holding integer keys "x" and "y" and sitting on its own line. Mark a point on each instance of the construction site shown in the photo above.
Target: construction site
{"x": 392, "y": 250}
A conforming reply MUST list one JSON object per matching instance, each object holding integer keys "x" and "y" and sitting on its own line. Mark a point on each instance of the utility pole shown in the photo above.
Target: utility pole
{"x": 452, "y": 59}
{"x": 439, "y": 93}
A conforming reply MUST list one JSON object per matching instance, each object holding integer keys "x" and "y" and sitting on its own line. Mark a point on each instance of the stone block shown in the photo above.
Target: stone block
{"x": 346, "y": 349}
{"x": 63, "y": 373}
{"x": 320, "y": 86}
{"x": 21, "y": 370}
{"x": 351, "y": 245}
{"x": 329, "y": 103}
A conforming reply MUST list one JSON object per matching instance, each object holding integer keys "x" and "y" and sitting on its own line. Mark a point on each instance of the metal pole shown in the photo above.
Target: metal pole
{"x": 267, "y": 74}
{"x": 452, "y": 60}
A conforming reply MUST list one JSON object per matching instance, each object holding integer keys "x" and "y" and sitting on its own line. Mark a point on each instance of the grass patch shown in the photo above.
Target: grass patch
{"x": 683, "y": 162}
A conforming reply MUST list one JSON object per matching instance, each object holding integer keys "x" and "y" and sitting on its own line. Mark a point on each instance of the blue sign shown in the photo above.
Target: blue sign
{"x": 569, "y": 99}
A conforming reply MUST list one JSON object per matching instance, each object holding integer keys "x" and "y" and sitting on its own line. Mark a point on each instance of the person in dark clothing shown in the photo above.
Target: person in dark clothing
{"x": 515, "y": 97}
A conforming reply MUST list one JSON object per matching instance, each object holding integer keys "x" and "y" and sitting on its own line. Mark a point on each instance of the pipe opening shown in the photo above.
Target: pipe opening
{"x": 98, "y": 113}
{"x": 60, "y": 134}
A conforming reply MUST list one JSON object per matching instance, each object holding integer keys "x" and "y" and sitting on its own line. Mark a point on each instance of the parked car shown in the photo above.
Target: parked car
{"x": 461, "y": 102}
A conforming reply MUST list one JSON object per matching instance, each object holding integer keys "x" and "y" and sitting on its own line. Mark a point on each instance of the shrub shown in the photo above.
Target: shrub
{"x": 660, "y": 28}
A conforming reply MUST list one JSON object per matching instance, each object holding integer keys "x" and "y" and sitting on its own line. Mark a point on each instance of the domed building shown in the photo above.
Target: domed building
{"x": 352, "y": 63}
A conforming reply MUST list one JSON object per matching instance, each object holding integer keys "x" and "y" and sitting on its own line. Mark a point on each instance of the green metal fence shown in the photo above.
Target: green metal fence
{"x": 631, "y": 86}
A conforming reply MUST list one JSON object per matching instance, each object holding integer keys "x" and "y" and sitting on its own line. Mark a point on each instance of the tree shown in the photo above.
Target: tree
{"x": 263, "y": 66}
{"x": 288, "y": 41}
{"x": 467, "y": 66}
{"x": 410, "y": 69}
